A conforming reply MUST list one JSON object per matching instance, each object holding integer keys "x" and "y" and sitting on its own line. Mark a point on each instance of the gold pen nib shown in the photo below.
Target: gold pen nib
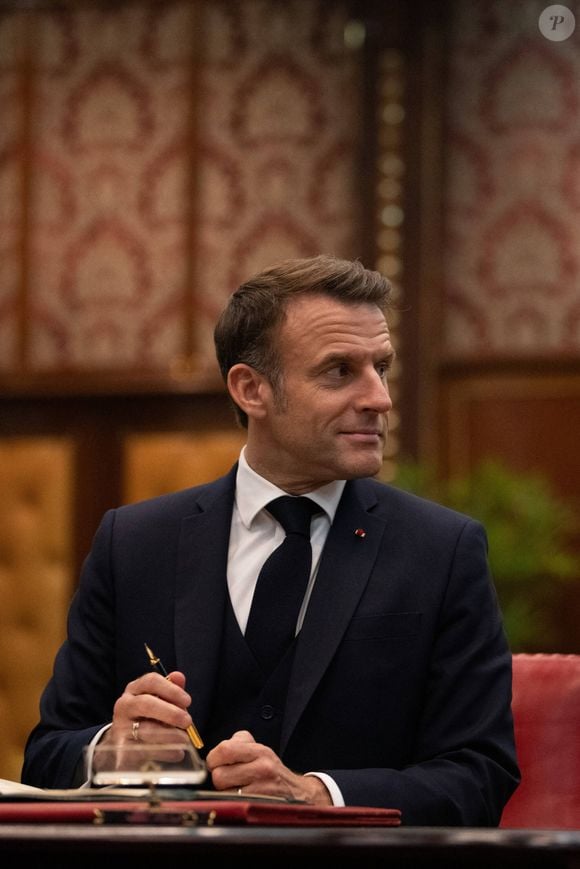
{"x": 153, "y": 659}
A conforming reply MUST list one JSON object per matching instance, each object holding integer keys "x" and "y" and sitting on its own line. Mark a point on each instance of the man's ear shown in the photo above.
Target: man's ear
{"x": 248, "y": 389}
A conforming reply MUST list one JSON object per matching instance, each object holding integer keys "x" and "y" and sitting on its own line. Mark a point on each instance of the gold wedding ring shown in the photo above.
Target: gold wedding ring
{"x": 135, "y": 731}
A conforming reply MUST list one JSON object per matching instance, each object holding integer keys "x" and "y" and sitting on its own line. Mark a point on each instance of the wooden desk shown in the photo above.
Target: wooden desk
{"x": 82, "y": 846}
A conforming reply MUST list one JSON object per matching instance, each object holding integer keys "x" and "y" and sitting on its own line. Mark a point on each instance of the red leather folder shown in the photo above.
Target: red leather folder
{"x": 198, "y": 812}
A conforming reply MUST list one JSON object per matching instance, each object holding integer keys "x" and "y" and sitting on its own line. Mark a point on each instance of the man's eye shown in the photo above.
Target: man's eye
{"x": 383, "y": 369}
{"x": 340, "y": 370}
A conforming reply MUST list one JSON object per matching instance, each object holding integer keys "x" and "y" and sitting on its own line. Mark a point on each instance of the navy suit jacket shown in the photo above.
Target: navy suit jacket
{"x": 401, "y": 682}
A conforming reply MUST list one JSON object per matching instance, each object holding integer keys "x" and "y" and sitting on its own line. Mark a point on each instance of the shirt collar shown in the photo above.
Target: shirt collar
{"x": 253, "y": 492}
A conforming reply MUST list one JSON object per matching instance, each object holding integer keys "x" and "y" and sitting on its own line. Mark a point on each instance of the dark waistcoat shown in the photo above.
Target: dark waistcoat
{"x": 244, "y": 697}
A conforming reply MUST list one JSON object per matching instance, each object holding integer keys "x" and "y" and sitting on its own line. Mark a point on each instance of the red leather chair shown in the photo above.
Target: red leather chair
{"x": 546, "y": 707}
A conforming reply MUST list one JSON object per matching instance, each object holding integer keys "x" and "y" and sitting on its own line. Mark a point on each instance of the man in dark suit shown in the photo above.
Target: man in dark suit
{"x": 396, "y": 689}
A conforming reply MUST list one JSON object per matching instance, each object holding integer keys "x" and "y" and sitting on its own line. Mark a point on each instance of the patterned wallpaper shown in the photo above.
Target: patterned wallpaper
{"x": 152, "y": 155}
{"x": 512, "y": 194}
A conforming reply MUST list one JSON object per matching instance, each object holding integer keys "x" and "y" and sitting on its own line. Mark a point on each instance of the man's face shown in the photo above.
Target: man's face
{"x": 329, "y": 419}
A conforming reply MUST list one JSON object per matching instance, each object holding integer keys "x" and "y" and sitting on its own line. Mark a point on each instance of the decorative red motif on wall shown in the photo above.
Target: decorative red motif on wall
{"x": 10, "y": 221}
{"x": 220, "y": 180}
{"x": 470, "y": 185}
{"x": 221, "y": 33}
{"x": 277, "y": 233}
{"x": 526, "y": 250}
{"x": 165, "y": 40}
{"x": 165, "y": 187}
{"x": 174, "y": 148}
{"x": 473, "y": 324}
{"x": 278, "y": 103}
{"x": 330, "y": 188}
{"x": 10, "y": 191}
{"x": 530, "y": 87}
{"x": 109, "y": 109}
{"x": 571, "y": 331}
{"x": 55, "y": 203}
{"x": 285, "y": 110}
{"x": 570, "y": 183}
{"x": 106, "y": 251}
{"x": 512, "y": 235}
{"x": 8, "y": 313}
{"x": 54, "y": 35}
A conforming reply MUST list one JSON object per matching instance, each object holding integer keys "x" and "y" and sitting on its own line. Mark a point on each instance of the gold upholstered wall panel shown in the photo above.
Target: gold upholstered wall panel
{"x": 158, "y": 463}
{"x": 36, "y": 480}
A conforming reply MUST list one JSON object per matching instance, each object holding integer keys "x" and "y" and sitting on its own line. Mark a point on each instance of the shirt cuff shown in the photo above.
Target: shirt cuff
{"x": 90, "y": 750}
{"x": 333, "y": 788}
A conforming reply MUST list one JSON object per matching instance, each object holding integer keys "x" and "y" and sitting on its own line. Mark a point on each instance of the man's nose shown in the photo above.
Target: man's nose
{"x": 375, "y": 394}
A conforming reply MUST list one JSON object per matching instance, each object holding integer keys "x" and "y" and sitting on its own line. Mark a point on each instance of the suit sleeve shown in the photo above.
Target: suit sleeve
{"x": 78, "y": 699}
{"x": 464, "y": 765}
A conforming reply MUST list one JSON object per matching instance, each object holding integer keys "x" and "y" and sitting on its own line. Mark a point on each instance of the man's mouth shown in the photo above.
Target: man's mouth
{"x": 370, "y": 436}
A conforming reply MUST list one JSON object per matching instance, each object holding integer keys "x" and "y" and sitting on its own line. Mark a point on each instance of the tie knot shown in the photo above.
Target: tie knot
{"x": 293, "y": 514}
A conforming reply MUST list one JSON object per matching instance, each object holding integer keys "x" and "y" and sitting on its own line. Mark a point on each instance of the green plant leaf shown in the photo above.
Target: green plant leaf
{"x": 530, "y": 532}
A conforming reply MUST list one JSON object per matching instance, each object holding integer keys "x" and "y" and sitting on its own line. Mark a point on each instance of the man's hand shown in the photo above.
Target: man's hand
{"x": 242, "y": 763}
{"x": 156, "y": 703}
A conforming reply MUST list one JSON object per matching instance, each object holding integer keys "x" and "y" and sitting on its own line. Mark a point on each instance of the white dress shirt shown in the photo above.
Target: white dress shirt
{"x": 255, "y": 534}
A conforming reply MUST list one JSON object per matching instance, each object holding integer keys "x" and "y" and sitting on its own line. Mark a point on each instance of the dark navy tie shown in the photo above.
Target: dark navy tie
{"x": 282, "y": 583}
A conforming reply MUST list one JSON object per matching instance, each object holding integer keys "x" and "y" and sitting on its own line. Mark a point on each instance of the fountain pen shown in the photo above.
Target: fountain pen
{"x": 157, "y": 665}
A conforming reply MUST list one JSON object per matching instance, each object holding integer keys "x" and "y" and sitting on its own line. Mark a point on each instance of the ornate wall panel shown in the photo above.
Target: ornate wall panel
{"x": 512, "y": 264}
{"x": 110, "y": 169}
{"x": 278, "y": 141}
{"x": 36, "y": 479}
{"x": 152, "y": 156}
{"x": 516, "y": 416}
{"x": 157, "y": 463}
{"x": 11, "y": 206}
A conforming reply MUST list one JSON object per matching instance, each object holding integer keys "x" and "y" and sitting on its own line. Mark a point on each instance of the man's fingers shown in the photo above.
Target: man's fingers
{"x": 159, "y": 686}
{"x": 243, "y": 736}
{"x": 153, "y": 697}
{"x": 241, "y": 748}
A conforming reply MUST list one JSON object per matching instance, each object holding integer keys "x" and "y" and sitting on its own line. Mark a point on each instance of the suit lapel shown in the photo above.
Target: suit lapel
{"x": 344, "y": 570}
{"x": 201, "y": 592}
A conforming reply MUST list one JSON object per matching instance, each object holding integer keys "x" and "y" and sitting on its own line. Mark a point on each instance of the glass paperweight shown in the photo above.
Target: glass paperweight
{"x": 174, "y": 761}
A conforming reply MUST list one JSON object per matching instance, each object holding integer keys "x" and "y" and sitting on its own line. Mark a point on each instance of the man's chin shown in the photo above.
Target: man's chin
{"x": 364, "y": 466}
